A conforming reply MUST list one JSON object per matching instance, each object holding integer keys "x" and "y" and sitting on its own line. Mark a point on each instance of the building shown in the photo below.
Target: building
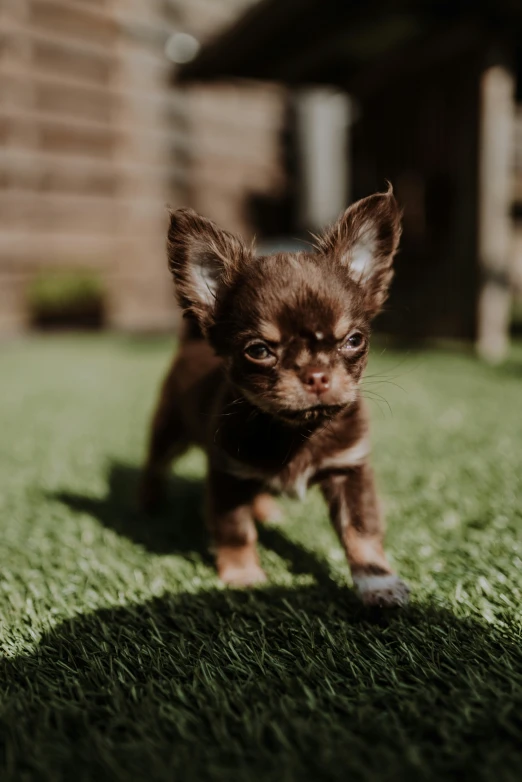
{"x": 435, "y": 90}
{"x": 95, "y": 140}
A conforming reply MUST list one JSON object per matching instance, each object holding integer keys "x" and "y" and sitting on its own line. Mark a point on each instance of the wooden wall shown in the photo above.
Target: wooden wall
{"x": 87, "y": 123}
{"x": 236, "y": 151}
{"x": 95, "y": 141}
{"x": 422, "y": 135}
{"x": 235, "y": 131}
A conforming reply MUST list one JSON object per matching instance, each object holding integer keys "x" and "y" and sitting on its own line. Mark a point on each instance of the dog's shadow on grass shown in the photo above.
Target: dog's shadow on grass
{"x": 178, "y": 528}
{"x": 290, "y": 683}
{"x": 277, "y": 683}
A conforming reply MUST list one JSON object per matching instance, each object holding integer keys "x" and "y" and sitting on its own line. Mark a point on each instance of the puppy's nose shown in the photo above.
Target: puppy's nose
{"x": 316, "y": 381}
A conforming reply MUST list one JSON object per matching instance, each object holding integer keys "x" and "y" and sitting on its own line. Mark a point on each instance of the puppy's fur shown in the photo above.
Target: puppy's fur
{"x": 267, "y": 380}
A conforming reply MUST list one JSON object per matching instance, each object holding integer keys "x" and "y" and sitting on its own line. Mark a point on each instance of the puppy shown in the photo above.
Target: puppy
{"x": 267, "y": 381}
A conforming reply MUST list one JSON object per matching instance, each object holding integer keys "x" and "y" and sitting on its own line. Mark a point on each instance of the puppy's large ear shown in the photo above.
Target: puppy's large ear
{"x": 202, "y": 259}
{"x": 364, "y": 240}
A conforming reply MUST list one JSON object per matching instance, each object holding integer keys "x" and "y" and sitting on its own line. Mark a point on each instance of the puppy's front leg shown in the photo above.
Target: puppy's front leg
{"x": 354, "y": 511}
{"x": 231, "y": 525}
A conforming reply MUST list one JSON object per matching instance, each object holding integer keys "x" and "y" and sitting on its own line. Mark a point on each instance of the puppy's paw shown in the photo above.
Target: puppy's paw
{"x": 266, "y": 510}
{"x": 238, "y": 566}
{"x": 235, "y": 576}
{"x": 383, "y": 591}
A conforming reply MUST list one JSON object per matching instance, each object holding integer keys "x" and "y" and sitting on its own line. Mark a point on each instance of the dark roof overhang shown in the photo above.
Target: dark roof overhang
{"x": 337, "y": 42}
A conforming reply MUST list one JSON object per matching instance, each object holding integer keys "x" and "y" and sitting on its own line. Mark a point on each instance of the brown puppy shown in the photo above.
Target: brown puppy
{"x": 267, "y": 381}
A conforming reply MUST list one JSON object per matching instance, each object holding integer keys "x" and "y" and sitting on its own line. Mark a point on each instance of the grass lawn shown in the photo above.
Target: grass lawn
{"x": 123, "y": 657}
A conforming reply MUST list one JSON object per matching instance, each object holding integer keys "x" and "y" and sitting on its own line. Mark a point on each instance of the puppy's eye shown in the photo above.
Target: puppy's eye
{"x": 354, "y": 341}
{"x": 258, "y": 351}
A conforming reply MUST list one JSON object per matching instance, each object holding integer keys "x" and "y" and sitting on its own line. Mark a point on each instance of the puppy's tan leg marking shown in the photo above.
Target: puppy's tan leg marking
{"x": 266, "y": 510}
{"x": 238, "y": 566}
{"x": 355, "y": 515}
{"x": 231, "y": 524}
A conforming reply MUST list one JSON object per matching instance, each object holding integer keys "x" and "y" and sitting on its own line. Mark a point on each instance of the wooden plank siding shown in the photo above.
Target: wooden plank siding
{"x": 235, "y": 130}
{"x": 85, "y": 163}
{"x": 95, "y": 140}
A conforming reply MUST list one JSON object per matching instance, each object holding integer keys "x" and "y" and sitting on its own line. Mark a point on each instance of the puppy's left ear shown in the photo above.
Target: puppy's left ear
{"x": 365, "y": 240}
{"x": 203, "y": 259}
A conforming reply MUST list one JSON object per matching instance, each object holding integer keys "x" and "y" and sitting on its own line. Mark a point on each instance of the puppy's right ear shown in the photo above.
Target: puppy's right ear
{"x": 202, "y": 258}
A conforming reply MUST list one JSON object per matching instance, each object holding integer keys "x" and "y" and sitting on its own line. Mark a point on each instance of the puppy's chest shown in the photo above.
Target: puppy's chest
{"x": 302, "y": 466}
{"x": 292, "y": 478}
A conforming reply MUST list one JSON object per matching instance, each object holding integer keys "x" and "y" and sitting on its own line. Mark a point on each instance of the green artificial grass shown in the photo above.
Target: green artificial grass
{"x": 124, "y": 658}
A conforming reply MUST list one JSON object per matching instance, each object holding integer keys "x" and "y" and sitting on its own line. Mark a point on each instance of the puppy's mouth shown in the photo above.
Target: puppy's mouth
{"x": 309, "y": 414}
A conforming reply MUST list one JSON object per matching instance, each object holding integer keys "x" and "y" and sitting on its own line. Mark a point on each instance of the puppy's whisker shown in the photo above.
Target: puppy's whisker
{"x": 234, "y": 402}
{"x": 393, "y": 368}
{"x": 374, "y": 397}
{"x": 365, "y": 383}
{"x": 382, "y": 410}
{"x": 253, "y": 413}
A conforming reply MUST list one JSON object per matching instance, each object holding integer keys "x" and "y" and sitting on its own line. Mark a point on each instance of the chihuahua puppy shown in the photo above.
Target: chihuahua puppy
{"x": 267, "y": 381}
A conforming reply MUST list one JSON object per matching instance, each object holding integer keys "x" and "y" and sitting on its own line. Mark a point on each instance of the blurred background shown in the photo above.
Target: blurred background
{"x": 268, "y": 116}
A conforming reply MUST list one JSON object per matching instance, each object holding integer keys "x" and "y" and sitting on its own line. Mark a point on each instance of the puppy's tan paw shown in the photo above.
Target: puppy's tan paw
{"x": 266, "y": 510}
{"x": 242, "y": 576}
{"x": 383, "y": 591}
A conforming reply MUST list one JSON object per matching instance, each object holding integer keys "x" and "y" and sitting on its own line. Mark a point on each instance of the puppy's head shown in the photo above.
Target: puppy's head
{"x": 293, "y": 328}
